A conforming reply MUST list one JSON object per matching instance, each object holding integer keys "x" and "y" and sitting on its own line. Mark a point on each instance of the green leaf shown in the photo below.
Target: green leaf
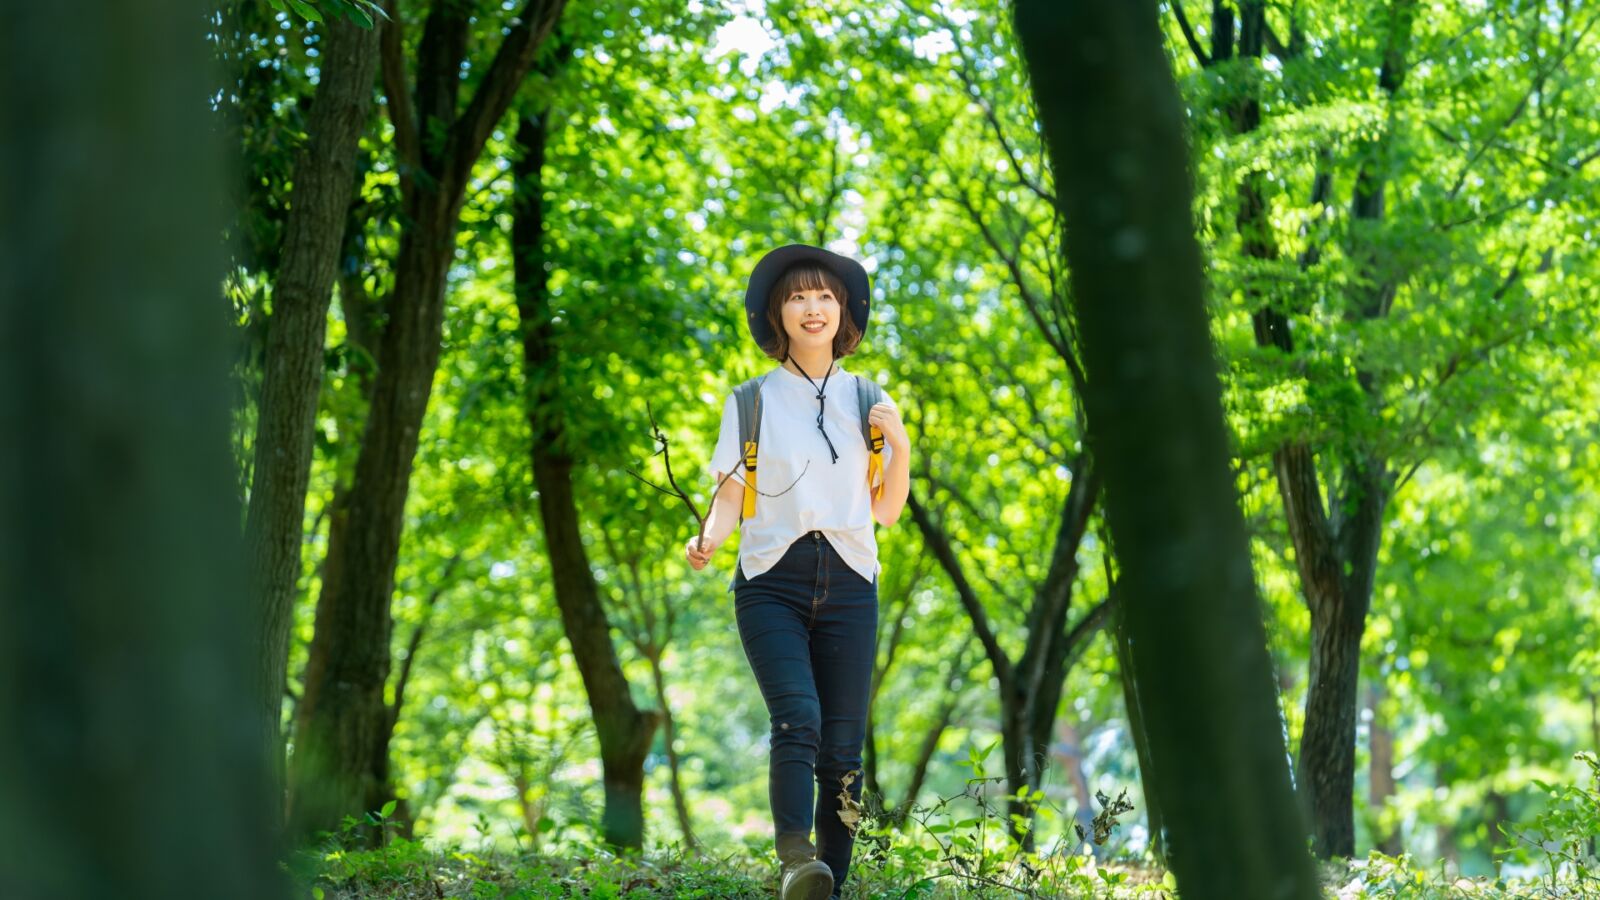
{"x": 306, "y": 10}
{"x": 388, "y": 810}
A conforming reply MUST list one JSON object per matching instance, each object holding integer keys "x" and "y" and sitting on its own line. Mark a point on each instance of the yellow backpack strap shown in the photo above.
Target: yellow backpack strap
{"x": 747, "y": 399}
{"x": 868, "y": 394}
{"x": 749, "y": 508}
{"x": 875, "y": 462}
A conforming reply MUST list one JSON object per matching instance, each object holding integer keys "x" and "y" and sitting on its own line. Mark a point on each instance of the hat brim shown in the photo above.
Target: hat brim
{"x": 771, "y": 268}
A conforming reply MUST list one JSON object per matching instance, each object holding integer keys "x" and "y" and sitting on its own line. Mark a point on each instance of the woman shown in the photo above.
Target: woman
{"x": 805, "y": 584}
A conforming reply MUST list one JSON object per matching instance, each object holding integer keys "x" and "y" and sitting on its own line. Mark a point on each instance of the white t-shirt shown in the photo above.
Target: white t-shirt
{"x": 831, "y": 497}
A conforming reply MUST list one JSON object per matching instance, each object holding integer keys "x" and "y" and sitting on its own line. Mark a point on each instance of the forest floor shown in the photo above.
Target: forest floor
{"x": 405, "y": 870}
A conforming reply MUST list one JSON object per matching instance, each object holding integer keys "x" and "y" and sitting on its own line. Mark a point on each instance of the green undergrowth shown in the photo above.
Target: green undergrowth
{"x": 958, "y": 847}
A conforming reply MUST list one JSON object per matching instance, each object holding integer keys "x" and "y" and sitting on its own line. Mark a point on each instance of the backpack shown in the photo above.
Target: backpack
{"x": 747, "y": 397}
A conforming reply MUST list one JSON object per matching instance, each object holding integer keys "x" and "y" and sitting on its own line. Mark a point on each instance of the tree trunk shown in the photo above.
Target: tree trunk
{"x": 1153, "y": 819}
{"x": 1381, "y": 771}
{"x": 1497, "y": 813}
{"x": 1327, "y": 761}
{"x": 1337, "y": 559}
{"x": 680, "y": 800}
{"x": 1069, "y": 755}
{"x": 1113, "y": 123}
{"x": 324, "y": 176}
{"x": 1030, "y": 688}
{"x": 341, "y": 760}
{"x": 131, "y": 764}
{"x": 624, "y": 730}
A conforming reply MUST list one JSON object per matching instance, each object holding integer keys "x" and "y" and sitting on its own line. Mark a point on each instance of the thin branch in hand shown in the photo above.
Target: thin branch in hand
{"x": 676, "y": 491}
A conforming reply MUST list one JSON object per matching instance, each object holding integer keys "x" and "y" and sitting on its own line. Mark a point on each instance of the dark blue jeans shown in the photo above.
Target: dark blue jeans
{"x": 809, "y": 627}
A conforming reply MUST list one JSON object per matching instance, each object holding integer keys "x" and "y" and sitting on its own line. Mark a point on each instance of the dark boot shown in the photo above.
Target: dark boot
{"x": 803, "y": 876}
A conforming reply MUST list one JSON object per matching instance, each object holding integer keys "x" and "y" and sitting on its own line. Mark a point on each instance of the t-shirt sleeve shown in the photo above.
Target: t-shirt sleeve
{"x": 726, "y": 455}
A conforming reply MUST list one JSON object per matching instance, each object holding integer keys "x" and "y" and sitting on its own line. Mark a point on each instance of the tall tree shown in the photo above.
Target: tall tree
{"x": 1115, "y": 129}
{"x": 131, "y": 764}
{"x": 624, "y": 730}
{"x": 324, "y": 176}
{"x": 1336, "y": 297}
{"x": 341, "y": 759}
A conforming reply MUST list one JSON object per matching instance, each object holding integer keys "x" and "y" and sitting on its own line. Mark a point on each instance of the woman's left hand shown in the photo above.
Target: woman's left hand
{"x": 887, "y": 418}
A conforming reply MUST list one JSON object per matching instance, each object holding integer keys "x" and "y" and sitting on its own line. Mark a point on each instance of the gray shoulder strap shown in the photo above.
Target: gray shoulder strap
{"x": 746, "y": 399}
{"x": 868, "y": 394}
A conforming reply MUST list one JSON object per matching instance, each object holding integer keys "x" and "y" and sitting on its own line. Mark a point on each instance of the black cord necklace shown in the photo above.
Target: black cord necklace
{"x": 820, "y": 398}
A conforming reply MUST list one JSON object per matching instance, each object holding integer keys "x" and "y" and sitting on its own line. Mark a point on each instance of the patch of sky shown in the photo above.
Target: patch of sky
{"x": 747, "y": 33}
{"x": 776, "y": 93}
{"x": 933, "y": 45}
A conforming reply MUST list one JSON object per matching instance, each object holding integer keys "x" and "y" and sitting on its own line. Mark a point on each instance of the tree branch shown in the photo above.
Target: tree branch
{"x": 511, "y": 64}
{"x": 397, "y": 93}
{"x": 937, "y": 541}
{"x": 1188, "y": 34}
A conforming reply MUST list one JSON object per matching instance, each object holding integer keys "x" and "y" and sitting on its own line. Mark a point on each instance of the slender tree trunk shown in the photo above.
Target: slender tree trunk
{"x": 130, "y": 763}
{"x": 624, "y": 730}
{"x": 532, "y": 813}
{"x": 1113, "y": 124}
{"x": 680, "y": 800}
{"x": 1069, "y": 756}
{"x": 341, "y": 760}
{"x": 324, "y": 176}
{"x": 1594, "y": 747}
{"x": 1030, "y": 687}
{"x": 1497, "y": 812}
{"x": 1141, "y": 740}
{"x": 1381, "y": 770}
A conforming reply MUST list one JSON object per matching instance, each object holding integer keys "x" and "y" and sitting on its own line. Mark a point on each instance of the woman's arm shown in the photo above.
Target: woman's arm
{"x": 723, "y": 519}
{"x": 897, "y": 474}
{"x": 896, "y": 487}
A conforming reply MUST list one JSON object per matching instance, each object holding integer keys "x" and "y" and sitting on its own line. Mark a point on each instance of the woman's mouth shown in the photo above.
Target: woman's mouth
{"x": 814, "y": 327}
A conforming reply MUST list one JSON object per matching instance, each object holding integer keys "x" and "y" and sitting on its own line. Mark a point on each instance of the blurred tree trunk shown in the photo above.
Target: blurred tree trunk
{"x": 324, "y": 177}
{"x": 625, "y": 731}
{"x": 1114, "y": 125}
{"x": 1380, "y": 778}
{"x": 341, "y": 759}
{"x": 131, "y": 763}
{"x": 680, "y": 799}
{"x": 1153, "y": 818}
{"x": 1069, "y": 755}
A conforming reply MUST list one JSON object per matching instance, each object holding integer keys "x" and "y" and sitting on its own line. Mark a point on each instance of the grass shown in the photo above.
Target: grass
{"x": 934, "y": 853}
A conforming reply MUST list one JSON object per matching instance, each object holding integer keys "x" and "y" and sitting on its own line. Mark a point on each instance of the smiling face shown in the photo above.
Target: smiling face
{"x": 811, "y": 317}
{"x": 811, "y": 294}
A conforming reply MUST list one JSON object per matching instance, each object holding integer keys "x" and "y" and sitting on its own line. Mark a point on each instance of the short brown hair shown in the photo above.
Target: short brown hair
{"x": 805, "y": 277}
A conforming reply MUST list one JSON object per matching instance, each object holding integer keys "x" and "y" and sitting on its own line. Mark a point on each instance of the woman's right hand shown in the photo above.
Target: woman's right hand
{"x": 698, "y": 556}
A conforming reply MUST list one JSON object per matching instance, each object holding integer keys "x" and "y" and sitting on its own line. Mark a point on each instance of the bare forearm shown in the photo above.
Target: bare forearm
{"x": 723, "y": 519}
{"x": 896, "y": 488}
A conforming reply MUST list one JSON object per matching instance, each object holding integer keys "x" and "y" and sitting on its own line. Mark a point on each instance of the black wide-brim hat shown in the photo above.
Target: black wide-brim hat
{"x": 776, "y": 262}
